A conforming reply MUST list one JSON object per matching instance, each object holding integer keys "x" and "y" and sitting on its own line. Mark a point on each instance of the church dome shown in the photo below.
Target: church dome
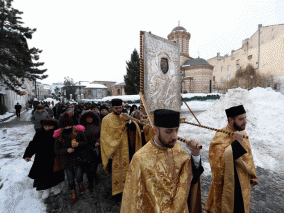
{"x": 179, "y": 28}
{"x": 196, "y": 62}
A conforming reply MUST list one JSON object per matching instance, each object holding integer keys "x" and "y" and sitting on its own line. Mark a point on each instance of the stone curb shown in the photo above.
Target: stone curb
{"x": 5, "y": 119}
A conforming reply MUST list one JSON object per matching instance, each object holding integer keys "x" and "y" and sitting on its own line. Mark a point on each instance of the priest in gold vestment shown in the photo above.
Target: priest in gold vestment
{"x": 232, "y": 167}
{"x": 116, "y": 146}
{"x": 162, "y": 177}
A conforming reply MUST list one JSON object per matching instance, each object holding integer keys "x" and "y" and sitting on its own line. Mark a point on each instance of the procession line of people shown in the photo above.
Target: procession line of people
{"x": 150, "y": 171}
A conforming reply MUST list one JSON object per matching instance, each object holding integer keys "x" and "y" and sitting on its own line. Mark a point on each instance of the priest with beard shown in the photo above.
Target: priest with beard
{"x": 116, "y": 146}
{"x": 232, "y": 166}
{"x": 162, "y": 177}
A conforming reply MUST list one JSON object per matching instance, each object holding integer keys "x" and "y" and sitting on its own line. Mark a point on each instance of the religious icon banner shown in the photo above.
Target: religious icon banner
{"x": 162, "y": 77}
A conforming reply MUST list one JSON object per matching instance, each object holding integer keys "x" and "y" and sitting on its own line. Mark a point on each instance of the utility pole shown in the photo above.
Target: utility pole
{"x": 80, "y": 90}
{"x": 35, "y": 90}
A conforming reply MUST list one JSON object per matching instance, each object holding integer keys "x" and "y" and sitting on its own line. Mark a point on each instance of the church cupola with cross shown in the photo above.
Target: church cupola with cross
{"x": 181, "y": 36}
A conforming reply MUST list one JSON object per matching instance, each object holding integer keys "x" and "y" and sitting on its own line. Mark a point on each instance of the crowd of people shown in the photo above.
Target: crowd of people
{"x": 150, "y": 171}
{"x": 67, "y": 138}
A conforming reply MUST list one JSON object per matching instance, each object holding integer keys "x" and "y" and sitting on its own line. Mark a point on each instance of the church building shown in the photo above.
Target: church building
{"x": 197, "y": 73}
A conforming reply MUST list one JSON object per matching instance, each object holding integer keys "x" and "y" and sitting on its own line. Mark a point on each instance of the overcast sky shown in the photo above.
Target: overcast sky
{"x": 92, "y": 40}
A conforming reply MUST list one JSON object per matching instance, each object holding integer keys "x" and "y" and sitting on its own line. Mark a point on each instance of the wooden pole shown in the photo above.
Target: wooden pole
{"x": 190, "y": 110}
{"x": 217, "y": 130}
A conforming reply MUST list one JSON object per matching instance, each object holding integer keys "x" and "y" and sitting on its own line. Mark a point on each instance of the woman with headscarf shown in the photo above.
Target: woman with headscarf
{"x": 46, "y": 169}
{"x": 133, "y": 108}
{"x": 71, "y": 144}
{"x": 92, "y": 124}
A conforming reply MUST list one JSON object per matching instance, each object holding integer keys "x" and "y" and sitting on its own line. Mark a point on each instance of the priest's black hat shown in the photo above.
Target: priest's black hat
{"x": 235, "y": 111}
{"x": 166, "y": 118}
{"x": 116, "y": 102}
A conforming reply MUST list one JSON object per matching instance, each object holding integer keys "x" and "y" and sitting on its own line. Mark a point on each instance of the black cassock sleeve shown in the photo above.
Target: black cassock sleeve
{"x": 196, "y": 171}
{"x": 238, "y": 150}
{"x": 131, "y": 126}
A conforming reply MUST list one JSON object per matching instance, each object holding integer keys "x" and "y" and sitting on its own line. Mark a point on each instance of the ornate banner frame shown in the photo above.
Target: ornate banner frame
{"x": 160, "y": 77}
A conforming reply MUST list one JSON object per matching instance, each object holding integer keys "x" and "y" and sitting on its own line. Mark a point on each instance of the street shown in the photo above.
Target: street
{"x": 267, "y": 196}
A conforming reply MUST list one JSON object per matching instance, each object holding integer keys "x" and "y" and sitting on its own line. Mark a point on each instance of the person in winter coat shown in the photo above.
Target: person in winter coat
{"x": 46, "y": 169}
{"x": 133, "y": 108}
{"x": 39, "y": 115}
{"x": 72, "y": 153}
{"x": 18, "y": 108}
{"x": 103, "y": 111}
{"x": 77, "y": 113}
{"x": 70, "y": 113}
{"x": 35, "y": 104}
{"x": 92, "y": 124}
{"x": 49, "y": 111}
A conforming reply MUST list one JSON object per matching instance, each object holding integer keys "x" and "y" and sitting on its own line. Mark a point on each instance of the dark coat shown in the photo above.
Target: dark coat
{"x": 18, "y": 107}
{"x": 92, "y": 131}
{"x": 42, "y": 146}
{"x": 76, "y": 158}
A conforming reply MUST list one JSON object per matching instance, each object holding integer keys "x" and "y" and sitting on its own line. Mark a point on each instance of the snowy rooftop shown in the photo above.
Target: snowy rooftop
{"x": 90, "y": 85}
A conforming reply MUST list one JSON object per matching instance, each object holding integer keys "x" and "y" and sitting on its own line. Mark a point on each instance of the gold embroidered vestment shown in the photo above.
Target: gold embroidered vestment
{"x": 159, "y": 180}
{"x": 114, "y": 141}
{"x": 221, "y": 194}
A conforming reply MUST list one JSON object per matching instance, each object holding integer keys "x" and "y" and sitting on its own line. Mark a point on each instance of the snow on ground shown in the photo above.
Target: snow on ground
{"x": 6, "y": 115}
{"x": 265, "y": 124}
{"x": 197, "y": 105}
{"x": 265, "y": 128}
{"x": 16, "y": 191}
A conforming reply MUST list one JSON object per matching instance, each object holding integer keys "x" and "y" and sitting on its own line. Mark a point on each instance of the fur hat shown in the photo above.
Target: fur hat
{"x": 49, "y": 122}
{"x": 40, "y": 107}
{"x": 103, "y": 107}
{"x": 66, "y": 121}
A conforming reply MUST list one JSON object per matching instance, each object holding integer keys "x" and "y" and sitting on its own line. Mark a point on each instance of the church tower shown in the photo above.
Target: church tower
{"x": 181, "y": 36}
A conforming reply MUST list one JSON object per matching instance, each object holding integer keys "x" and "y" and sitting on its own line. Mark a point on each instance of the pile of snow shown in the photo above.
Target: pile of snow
{"x": 6, "y": 115}
{"x": 16, "y": 189}
{"x": 264, "y": 110}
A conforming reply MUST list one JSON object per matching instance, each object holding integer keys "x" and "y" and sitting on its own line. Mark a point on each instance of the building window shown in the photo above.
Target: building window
{"x": 118, "y": 91}
{"x": 213, "y": 78}
{"x": 249, "y": 57}
{"x": 238, "y": 62}
{"x": 229, "y": 67}
{"x": 228, "y": 78}
{"x": 221, "y": 69}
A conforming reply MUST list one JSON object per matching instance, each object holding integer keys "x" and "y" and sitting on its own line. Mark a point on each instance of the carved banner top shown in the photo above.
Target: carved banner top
{"x": 162, "y": 80}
